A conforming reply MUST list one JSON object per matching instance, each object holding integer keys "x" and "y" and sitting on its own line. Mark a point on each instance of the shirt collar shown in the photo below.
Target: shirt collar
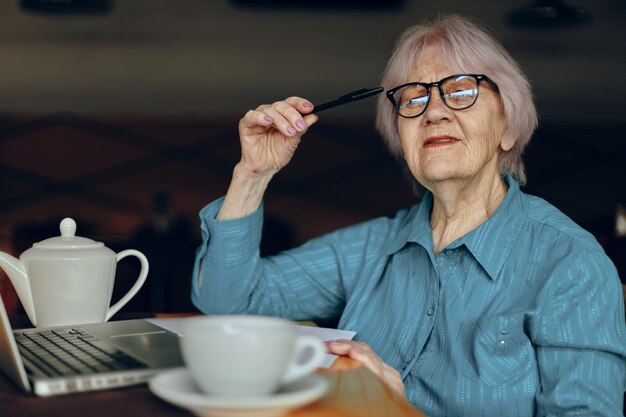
{"x": 415, "y": 227}
{"x": 490, "y": 243}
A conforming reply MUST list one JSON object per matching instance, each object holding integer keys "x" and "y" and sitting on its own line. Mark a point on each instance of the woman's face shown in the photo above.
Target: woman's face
{"x": 453, "y": 145}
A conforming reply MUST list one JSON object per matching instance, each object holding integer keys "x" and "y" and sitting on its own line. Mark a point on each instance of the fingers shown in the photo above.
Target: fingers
{"x": 290, "y": 116}
{"x": 287, "y": 115}
{"x": 358, "y": 351}
{"x": 363, "y": 353}
{"x": 339, "y": 347}
{"x": 302, "y": 105}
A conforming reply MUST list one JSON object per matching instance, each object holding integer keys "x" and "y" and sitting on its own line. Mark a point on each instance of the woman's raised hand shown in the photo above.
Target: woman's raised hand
{"x": 271, "y": 133}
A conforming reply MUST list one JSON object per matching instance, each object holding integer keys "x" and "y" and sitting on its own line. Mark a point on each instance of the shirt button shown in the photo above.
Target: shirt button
{"x": 449, "y": 252}
{"x": 430, "y": 311}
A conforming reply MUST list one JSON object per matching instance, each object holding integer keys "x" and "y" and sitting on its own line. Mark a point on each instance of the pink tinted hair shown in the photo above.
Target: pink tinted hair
{"x": 467, "y": 47}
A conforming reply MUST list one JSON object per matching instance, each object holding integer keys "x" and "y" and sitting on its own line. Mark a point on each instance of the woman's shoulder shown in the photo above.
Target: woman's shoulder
{"x": 567, "y": 252}
{"x": 552, "y": 222}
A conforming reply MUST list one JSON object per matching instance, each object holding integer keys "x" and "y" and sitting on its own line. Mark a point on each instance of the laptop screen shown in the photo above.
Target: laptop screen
{"x": 10, "y": 360}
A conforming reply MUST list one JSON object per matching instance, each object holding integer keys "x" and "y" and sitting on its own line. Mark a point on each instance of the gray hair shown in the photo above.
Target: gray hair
{"x": 463, "y": 44}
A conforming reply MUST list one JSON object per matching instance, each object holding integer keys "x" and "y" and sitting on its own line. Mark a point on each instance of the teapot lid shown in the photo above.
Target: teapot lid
{"x": 68, "y": 239}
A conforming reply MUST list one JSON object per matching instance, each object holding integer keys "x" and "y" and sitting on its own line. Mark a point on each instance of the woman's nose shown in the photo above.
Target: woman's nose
{"x": 437, "y": 111}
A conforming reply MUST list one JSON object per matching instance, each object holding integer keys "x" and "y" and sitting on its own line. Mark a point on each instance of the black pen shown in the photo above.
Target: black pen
{"x": 348, "y": 98}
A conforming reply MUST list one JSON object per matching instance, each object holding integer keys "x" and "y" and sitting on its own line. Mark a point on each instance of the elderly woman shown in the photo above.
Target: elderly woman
{"x": 480, "y": 300}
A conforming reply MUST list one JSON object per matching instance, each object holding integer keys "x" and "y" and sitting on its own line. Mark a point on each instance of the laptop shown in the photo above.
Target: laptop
{"x": 61, "y": 360}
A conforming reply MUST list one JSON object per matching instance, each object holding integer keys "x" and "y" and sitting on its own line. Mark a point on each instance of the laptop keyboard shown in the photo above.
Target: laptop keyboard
{"x": 62, "y": 352}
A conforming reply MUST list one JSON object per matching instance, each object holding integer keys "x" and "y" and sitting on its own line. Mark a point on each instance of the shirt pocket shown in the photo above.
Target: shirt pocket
{"x": 499, "y": 351}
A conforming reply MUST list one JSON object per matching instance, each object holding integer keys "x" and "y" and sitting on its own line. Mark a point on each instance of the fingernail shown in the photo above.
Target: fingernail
{"x": 307, "y": 104}
{"x": 269, "y": 118}
{"x": 301, "y": 124}
{"x": 291, "y": 130}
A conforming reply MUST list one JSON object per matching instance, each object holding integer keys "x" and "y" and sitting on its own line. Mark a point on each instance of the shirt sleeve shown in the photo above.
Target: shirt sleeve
{"x": 580, "y": 338}
{"x": 304, "y": 283}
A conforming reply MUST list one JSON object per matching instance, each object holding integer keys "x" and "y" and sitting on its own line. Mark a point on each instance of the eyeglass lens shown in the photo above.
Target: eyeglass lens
{"x": 458, "y": 92}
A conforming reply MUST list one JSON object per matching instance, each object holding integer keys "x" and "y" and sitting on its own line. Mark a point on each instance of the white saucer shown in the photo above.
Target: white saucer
{"x": 177, "y": 387}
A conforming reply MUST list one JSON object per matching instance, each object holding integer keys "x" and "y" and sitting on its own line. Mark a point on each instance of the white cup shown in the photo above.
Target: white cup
{"x": 247, "y": 355}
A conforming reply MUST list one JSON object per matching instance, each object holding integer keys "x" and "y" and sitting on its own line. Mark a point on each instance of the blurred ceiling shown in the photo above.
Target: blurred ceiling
{"x": 222, "y": 57}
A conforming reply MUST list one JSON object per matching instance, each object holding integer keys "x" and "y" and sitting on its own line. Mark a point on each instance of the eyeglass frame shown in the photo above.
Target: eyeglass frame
{"x": 478, "y": 77}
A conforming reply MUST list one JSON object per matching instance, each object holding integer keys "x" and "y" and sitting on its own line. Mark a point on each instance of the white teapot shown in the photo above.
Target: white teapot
{"x": 67, "y": 280}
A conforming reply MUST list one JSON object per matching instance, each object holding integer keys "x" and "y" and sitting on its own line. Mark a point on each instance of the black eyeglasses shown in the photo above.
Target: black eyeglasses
{"x": 458, "y": 92}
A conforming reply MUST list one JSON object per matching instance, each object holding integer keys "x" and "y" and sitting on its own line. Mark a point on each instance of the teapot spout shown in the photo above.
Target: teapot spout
{"x": 16, "y": 272}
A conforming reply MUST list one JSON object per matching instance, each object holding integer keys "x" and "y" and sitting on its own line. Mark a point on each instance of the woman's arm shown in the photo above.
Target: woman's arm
{"x": 581, "y": 340}
{"x": 302, "y": 283}
{"x": 231, "y": 227}
{"x": 312, "y": 281}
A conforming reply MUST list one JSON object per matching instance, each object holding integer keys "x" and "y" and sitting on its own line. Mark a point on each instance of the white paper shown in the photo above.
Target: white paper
{"x": 324, "y": 334}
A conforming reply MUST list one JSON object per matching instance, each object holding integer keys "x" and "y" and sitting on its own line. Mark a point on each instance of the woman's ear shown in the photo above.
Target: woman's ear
{"x": 507, "y": 142}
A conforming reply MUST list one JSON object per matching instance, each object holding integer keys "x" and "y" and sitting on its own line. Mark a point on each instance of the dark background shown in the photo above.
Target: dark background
{"x": 127, "y": 120}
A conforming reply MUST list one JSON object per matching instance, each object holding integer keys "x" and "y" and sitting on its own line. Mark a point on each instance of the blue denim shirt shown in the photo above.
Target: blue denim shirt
{"x": 522, "y": 316}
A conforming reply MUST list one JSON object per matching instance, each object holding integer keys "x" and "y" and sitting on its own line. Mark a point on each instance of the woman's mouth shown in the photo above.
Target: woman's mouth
{"x": 440, "y": 141}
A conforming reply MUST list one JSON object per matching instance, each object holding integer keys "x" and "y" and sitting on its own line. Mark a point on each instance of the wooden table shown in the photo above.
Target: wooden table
{"x": 354, "y": 392}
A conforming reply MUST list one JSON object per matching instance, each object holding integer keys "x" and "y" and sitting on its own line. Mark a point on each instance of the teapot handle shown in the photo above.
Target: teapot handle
{"x": 136, "y": 287}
